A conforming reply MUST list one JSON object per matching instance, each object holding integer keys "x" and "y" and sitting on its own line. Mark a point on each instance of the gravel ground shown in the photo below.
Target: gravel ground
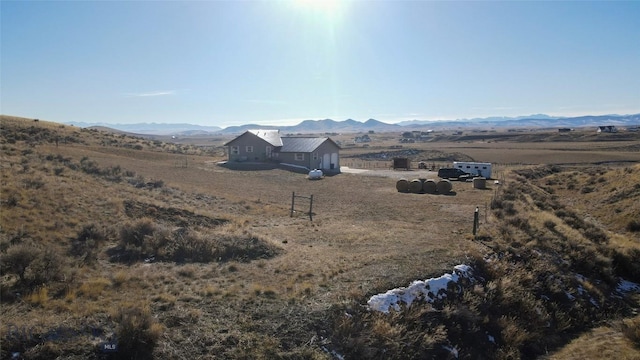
{"x": 396, "y": 174}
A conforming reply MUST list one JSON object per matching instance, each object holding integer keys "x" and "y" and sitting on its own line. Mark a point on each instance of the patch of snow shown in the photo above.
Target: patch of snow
{"x": 491, "y": 339}
{"x": 569, "y": 296}
{"x": 348, "y": 170}
{"x": 625, "y": 286}
{"x": 582, "y": 292}
{"x": 427, "y": 290}
{"x": 333, "y": 353}
{"x": 452, "y": 350}
{"x": 296, "y": 166}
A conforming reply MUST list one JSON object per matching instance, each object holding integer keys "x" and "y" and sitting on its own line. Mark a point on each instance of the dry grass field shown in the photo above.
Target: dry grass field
{"x": 151, "y": 245}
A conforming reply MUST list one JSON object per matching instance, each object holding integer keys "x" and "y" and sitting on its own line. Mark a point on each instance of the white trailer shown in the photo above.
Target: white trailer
{"x": 476, "y": 168}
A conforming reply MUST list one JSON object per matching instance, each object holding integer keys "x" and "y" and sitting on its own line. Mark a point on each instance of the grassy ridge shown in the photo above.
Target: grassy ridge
{"x": 548, "y": 276}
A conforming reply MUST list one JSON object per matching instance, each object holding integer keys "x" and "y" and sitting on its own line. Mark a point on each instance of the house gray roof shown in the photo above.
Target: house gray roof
{"x": 270, "y": 136}
{"x": 301, "y": 144}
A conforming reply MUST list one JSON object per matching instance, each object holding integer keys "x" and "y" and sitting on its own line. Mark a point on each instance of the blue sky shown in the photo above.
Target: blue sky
{"x": 225, "y": 63}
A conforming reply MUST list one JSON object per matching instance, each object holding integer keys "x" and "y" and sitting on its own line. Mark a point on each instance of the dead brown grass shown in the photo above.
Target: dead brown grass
{"x": 75, "y": 198}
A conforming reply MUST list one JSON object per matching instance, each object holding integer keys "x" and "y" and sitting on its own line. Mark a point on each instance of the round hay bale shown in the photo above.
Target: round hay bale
{"x": 415, "y": 186}
{"x": 429, "y": 186}
{"x": 444, "y": 186}
{"x": 479, "y": 183}
{"x": 402, "y": 185}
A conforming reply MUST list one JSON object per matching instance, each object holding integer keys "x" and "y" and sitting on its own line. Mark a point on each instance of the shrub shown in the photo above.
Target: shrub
{"x": 137, "y": 181}
{"x": 595, "y": 234}
{"x": 89, "y": 166}
{"x": 12, "y": 200}
{"x": 18, "y": 258}
{"x": 32, "y": 265}
{"x": 496, "y": 203}
{"x": 631, "y": 329}
{"x": 626, "y": 264}
{"x": 633, "y": 226}
{"x": 91, "y": 231}
{"x": 33, "y": 183}
{"x": 133, "y": 234}
{"x": 86, "y": 242}
{"x": 521, "y": 223}
{"x": 156, "y": 184}
{"x": 587, "y": 189}
{"x": 137, "y": 333}
{"x": 193, "y": 248}
{"x": 549, "y": 224}
{"x": 47, "y": 267}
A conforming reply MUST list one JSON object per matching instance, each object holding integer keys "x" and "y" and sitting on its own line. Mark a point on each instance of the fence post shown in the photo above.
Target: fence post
{"x": 475, "y": 221}
{"x": 311, "y": 208}
{"x": 293, "y": 201}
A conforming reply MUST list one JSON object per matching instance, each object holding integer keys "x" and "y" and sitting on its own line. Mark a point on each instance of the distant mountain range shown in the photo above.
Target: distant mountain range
{"x": 153, "y": 128}
{"x": 350, "y": 125}
{"x": 533, "y": 121}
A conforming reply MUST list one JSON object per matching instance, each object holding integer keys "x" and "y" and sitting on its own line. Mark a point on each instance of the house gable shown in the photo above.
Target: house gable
{"x": 312, "y": 153}
{"x": 253, "y": 145}
{"x": 271, "y": 137}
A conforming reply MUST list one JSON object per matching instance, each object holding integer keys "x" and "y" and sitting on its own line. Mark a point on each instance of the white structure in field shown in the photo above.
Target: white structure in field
{"x": 475, "y": 168}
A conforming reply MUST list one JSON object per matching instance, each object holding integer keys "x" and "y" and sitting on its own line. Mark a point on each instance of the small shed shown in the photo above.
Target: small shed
{"x": 401, "y": 163}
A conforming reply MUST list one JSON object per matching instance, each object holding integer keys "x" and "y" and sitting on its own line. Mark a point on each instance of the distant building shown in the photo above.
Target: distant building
{"x": 269, "y": 146}
{"x": 563, "y": 130}
{"x": 607, "y": 129}
{"x": 362, "y": 139}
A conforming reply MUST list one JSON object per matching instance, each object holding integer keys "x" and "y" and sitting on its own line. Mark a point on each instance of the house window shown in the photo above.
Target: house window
{"x": 235, "y": 150}
{"x": 249, "y": 148}
{"x": 315, "y": 156}
{"x": 299, "y": 156}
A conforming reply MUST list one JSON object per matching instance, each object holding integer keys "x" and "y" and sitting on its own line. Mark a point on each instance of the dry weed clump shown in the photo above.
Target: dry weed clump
{"x": 145, "y": 239}
{"x": 33, "y": 265}
{"x": 93, "y": 288}
{"x": 88, "y": 241}
{"x": 633, "y": 226}
{"x": 631, "y": 329}
{"x": 137, "y": 333}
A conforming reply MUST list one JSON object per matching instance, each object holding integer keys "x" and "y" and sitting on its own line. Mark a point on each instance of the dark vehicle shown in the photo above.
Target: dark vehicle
{"x": 453, "y": 173}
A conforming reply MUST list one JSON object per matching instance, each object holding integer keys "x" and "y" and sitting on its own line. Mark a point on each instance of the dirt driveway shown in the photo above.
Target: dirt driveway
{"x": 395, "y": 174}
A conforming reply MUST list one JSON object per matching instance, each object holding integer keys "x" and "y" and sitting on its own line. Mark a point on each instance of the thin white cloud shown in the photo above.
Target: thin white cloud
{"x": 152, "y": 93}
